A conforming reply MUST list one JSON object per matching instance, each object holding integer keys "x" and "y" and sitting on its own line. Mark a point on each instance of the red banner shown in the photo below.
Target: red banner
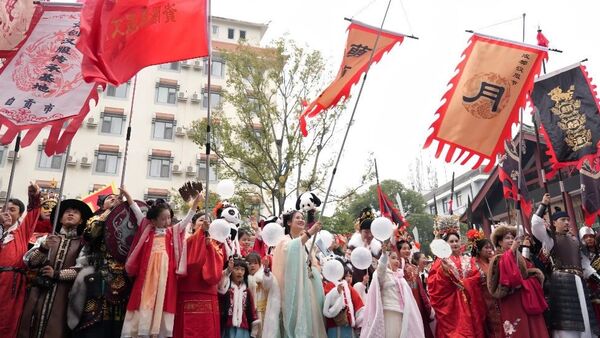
{"x": 359, "y": 48}
{"x": 119, "y": 38}
{"x": 42, "y": 84}
{"x": 484, "y": 99}
{"x": 15, "y": 17}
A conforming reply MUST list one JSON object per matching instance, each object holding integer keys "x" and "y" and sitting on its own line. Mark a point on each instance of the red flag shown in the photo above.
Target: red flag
{"x": 387, "y": 209}
{"x": 119, "y": 38}
{"x": 91, "y": 199}
{"x": 508, "y": 173}
{"x": 42, "y": 85}
{"x": 483, "y": 103}
{"x": 541, "y": 39}
{"x": 359, "y": 47}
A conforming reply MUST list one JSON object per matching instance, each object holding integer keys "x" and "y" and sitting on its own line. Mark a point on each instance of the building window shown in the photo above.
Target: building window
{"x": 212, "y": 174}
{"x": 170, "y": 66}
{"x": 215, "y": 29}
{"x": 242, "y": 35}
{"x": 52, "y": 162}
{"x": 215, "y": 99}
{"x": 163, "y": 130}
{"x": 445, "y": 205}
{"x": 2, "y": 153}
{"x": 166, "y": 94}
{"x": 432, "y": 209}
{"x": 107, "y": 162}
{"x": 118, "y": 92}
{"x": 230, "y": 33}
{"x": 160, "y": 167}
{"x": 459, "y": 201}
{"x": 112, "y": 124}
{"x": 217, "y": 68}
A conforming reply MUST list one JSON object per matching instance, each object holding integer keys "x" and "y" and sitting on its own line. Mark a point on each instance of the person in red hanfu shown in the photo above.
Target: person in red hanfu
{"x": 447, "y": 284}
{"x": 14, "y": 238}
{"x": 518, "y": 288}
{"x": 236, "y": 302}
{"x": 343, "y": 307}
{"x": 158, "y": 254}
{"x": 197, "y": 300}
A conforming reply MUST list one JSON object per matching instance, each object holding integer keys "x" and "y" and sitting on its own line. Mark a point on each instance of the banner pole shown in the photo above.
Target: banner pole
{"x": 337, "y": 161}
{"x": 520, "y": 216}
{"x": 12, "y": 171}
{"x": 208, "y": 110}
{"x": 60, "y": 191}
{"x": 128, "y": 136}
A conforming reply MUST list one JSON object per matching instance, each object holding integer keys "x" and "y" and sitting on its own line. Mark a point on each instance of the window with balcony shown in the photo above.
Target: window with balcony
{"x": 215, "y": 99}
{"x": 215, "y": 29}
{"x": 159, "y": 164}
{"x": 173, "y": 66}
{"x": 112, "y": 124}
{"x": 212, "y": 174}
{"x": 107, "y": 159}
{"x": 217, "y": 68}
{"x": 242, "y": 35}
{"x": 162, "y": 129}
{"x": 118, "y": 92}
{"x": 166, "y": 91}
{"x": 54, "y": 162}
{"x": 230, "y": 33}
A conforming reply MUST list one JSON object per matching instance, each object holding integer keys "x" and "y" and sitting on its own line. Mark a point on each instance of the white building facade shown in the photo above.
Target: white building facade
{"x": 161, "y": 156}
{"x": 466, "y": 186}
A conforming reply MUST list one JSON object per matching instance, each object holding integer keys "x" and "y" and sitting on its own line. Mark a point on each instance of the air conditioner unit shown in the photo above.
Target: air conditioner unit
{"x": 197, "y": 64}
{"x": 91, "y": 122}
{"x": 176, "y": 169}
{"x": 190, "y": 171}
{"x": 195, "y": 98}
{"x": 181, "y": 96}
{"x": 71, "y": 161}
{"x": 179, "y": 131}
{"x": 85, "y": 162}
{"x": 2, "y": 194}
{"x": 11, "y": 155}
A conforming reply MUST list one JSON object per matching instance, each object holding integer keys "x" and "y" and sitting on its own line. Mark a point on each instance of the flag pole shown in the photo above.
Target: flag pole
{"x": 520, "y": 218}
{"x": 208, "y": 109}
{"x": 12, "y": 171}
{"x": 128, "y": 136}
{"x": 337, "y": 161}
{"x": 376, "y": 172}
{"x": 542, "y": 171}
{"x": 60, "y": 191}
{"x": 451, "y": 201}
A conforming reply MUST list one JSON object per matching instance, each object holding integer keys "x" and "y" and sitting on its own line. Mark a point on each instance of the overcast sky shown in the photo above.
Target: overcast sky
{"x": 403, "y": 91}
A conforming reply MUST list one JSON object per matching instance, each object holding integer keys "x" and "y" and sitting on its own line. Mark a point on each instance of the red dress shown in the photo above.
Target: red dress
{"x": 450, "y": 295}
{"x": 516, "y": 322}
{"x": 411, "y": 274}
{"x": 197, "y": 301}
{"x": 12, "y": 283}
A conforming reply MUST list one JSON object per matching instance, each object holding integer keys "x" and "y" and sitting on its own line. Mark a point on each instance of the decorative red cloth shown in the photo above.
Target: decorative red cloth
{"x": 12, "y": 284}
{"x": 197, "y": 300}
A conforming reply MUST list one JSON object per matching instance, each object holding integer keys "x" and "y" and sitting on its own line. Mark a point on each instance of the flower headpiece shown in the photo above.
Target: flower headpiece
{"x": 446, "y": 224}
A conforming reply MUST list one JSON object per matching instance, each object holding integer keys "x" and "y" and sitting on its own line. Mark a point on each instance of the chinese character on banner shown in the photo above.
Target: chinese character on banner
{"x": 117, "y": 35}
{"x": 359, "y": 48}
{"x": 484, "y": 100}
{"x": 42, "y": 85}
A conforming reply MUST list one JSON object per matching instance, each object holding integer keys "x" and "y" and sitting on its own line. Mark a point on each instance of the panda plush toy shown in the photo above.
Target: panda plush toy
{"x": 308, "y": 202}
{"x": 231, "y": 214}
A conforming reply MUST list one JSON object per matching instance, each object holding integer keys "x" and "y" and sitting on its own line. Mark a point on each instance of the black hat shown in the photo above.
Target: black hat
{"x": 558, "y": 213}
{"x": 101, "y": 199}
{"x": 83, "y": 208}
{"x": 365, "y": 218}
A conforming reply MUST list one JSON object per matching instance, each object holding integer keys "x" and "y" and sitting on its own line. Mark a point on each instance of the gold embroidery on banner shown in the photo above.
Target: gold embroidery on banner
{"x": 572, "y": 121}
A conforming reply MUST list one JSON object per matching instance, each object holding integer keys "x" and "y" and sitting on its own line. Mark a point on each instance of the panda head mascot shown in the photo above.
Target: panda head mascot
{"x": 229, "y": 212}
{"x": 308, "y": 202}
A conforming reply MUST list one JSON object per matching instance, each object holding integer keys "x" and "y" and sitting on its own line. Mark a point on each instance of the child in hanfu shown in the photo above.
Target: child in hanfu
{"x": 238, "y": 314}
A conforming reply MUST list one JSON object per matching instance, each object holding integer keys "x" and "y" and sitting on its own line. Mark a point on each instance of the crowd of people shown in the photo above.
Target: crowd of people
{"x": 171, "y": 279}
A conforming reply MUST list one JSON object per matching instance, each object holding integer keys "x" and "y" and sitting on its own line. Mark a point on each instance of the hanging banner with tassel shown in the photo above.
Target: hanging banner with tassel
{"x": 42, "y": 85}
{"x": 484, "y": 99}
{"x": 357, "y": 58}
